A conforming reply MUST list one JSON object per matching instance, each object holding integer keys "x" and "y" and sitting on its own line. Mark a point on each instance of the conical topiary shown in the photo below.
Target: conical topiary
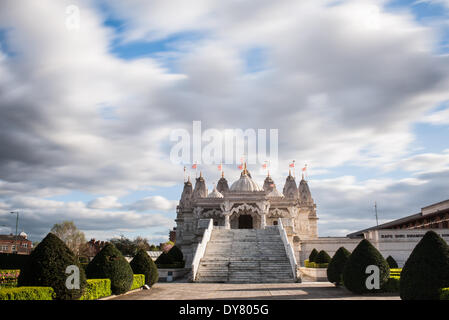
{"x": 354, "y": 272}
{"x": 164, "y": 259}
{"x": 392, "y": 263}
{"x": 47, "y": 265}
{"x": 176, "y": 254}
{"x": 426, "y": 270}
{"x": 109, "y": 263}
{"x": 336, "y": 266}
{"x": 322, "y": 257}
{"x": 143, "y": 264}
{"x": 313, "y": 255}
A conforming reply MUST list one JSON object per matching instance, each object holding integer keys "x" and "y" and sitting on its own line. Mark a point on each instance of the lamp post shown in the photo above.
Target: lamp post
{"x": 17, "y": 224}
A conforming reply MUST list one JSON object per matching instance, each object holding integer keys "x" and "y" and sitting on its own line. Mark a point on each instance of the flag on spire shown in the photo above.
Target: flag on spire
{"x": 194, "y": 166}
{"x": 220, "y": 167}
{"x": 305, "y": 168}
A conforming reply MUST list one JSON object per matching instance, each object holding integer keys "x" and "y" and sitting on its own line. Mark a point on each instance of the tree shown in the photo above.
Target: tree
{"x": 356, "y": 271}
{"x": 124, "y": 245}
{"x": 426, "y": 270}
{"x": 322, "y": 257}
{"x": 313, "y": 255}
{"x": 336, "y": 266}
{"x": 46, "y": 267}
{"x": 391, "y": 262}
{"x": 141, "y": 243}
{"x": 143, "y": 264}
{"x": 69, "y": 233}
{"x": 109, "y": 263}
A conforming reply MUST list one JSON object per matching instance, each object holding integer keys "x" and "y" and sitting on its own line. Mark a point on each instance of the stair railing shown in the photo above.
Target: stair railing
{"x": 288, "y": 249}
{"x": 201, "y": 248}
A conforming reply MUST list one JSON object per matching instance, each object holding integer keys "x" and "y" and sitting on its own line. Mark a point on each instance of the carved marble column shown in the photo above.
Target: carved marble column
{"x": 226, "y": 209}
{"x": 227, "y": 222}
{"x": 263, "y": 222}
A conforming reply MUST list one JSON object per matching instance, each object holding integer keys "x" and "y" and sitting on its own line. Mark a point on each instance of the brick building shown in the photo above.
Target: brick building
{"x": 10, "y": 243}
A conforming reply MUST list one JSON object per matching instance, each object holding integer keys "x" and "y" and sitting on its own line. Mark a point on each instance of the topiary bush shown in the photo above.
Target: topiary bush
{"x": 392, "y": 263}
{"x": 354, "y": 272}
{"x": 323, "y": 257}
{"x": 46, "y": 267}
{"x": 164, "y": 259}
{"x": 176, "y": 254}
{"x": 143, "y": 264}
{"x": 109, "y": 263}
{"x": 426, "y": 270}
{"x": 336, "y": 266}
{"x": 313, "y": 255}
{"x": 392, "y": 285}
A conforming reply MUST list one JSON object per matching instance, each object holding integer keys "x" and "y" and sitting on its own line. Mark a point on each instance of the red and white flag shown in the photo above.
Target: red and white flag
{"x": 264, "y": 166}
{"x": 292, "y": 165}
{"x": 194, "y": 166}
{"x": 220, "y": 167}
{"x": 305, "y": 168}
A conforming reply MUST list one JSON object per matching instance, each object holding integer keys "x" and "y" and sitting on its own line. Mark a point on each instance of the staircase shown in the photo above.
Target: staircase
{"x": 245, "y": 256}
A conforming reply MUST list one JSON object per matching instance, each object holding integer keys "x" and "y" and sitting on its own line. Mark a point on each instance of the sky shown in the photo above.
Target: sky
{"x": 357, "y": 89}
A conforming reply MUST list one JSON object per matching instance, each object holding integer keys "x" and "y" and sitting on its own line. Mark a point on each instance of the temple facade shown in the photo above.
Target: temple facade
{"x": 245, "y": 205}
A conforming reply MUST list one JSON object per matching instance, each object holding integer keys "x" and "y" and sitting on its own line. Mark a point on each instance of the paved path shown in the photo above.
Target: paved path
{"x": 252, "y": 291}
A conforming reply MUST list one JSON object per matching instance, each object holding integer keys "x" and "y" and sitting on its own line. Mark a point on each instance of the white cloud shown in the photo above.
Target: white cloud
{"x": 342, "y": 83}
{"x": 154, "y": 203}
{"x": 108, "y": 202}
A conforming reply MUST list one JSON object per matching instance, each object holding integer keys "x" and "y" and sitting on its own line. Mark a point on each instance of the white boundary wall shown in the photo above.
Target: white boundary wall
{"x": 397, "y": 243}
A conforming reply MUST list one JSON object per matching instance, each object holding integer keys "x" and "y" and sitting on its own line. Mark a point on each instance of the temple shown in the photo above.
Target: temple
{"x": 245, "y": 205}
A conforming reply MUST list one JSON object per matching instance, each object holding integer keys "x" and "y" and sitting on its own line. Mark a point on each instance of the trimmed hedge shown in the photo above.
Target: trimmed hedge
{"x": 46, "y": 267}
{"x": 354, "y": 273}
{"x": 395, "y": 273}
{"x": 109, "y": 263}
{"x": 96, "y": 289}
{"x": 336, "y": 266}
{"x": 27, "y": 293}
{"x": 444, "y": 294}
{"x": 323, "y": 257}
{"x": 309, "y": 264}
{"x": 138, "y": 281}
{"x": 392, "y": 263}
{"x": 313, "y": 255}
{"x": 426, "y": 270}
{"x": 143, "y": 264}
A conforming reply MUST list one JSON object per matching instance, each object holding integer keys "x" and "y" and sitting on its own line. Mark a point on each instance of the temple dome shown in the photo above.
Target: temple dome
{"x": 304, "y": 192}
{"x": 215, "y": 194}
{"x": 222, "y": 185}
{"x": 245, "y": 183}
{"x": 275, "y": 194}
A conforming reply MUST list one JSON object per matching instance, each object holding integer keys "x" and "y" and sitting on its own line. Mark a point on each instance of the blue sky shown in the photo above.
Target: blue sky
{"x": 88, "y": 112}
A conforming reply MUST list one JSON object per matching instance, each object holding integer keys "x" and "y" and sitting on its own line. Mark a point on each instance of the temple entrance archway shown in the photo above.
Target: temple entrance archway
{"x": 245, "y": 221}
